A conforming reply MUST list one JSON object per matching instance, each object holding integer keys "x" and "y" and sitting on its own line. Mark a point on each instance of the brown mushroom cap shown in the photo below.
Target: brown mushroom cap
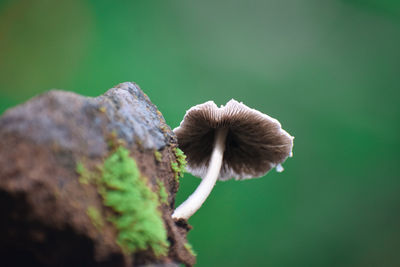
{"x": 255, "y": 142}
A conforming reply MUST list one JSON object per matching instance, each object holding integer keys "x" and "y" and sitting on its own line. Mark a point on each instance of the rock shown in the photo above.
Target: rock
{"x": 51, "y": 215}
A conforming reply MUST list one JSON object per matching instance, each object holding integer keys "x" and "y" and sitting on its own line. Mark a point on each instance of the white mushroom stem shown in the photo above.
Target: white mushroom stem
{"x": 197, "y": 198}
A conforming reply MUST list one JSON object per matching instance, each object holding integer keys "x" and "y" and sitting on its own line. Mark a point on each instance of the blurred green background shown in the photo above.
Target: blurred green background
{"x": 328, "y": 70}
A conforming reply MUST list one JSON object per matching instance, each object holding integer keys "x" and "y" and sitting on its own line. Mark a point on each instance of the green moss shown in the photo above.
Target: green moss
{"x": 181, "y": 158}
{"x": 162, "y": 193}
{"x": 179, "y": 166}
{"x": 158, "y": 155}
{"x": 175, "y": 168}
{"x": 190, "y": 249}
{"x": 135, "y": 206}
{"x": 137, "y": 217}
{"x": 95, "y": 216}
{"x": 84, "y": 175}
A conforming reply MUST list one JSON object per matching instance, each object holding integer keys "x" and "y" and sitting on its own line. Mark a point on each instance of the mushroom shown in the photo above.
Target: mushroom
{"x": 233, "y": 141}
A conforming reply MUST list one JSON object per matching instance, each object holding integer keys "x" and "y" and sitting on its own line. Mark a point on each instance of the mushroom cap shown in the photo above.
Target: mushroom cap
{"x": 255, "y": 142}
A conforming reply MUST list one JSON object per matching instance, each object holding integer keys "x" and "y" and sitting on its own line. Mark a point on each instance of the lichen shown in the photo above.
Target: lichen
{"x": 190, "y": 249}
{"x": 180, "y": 165}
{"x": 162, "y": 193}
{"x": 96, "y": 217}
{"x": 158, "y": 155}
{"x": 164, "y": 128}
{"x": 134, "y": 205}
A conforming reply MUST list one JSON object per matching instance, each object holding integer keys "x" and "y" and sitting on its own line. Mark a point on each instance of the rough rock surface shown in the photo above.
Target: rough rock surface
{"x": 43, "y": 206}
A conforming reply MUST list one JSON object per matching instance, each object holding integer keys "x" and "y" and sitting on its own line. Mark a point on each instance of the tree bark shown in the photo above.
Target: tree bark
{"x": 45, "y": 201}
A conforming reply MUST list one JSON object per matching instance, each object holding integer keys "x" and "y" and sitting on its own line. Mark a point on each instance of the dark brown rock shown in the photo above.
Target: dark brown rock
{"x": 43, "y": 205}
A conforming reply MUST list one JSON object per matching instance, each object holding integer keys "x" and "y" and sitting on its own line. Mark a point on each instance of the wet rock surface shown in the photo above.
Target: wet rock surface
{"x": 43, "y": 205}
